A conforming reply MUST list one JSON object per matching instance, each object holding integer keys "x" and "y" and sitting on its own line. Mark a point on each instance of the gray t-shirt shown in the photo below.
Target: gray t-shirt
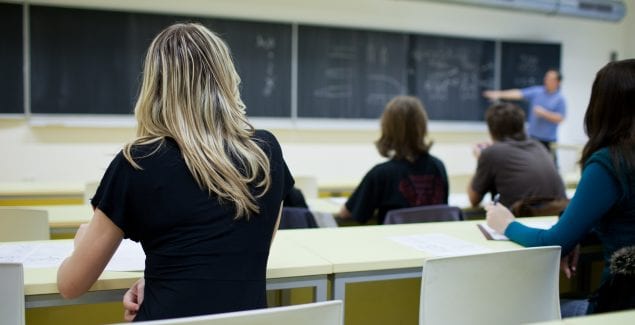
{"x": 517, "y": 170}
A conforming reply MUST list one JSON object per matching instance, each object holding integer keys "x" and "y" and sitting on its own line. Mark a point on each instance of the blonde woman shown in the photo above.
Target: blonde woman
{"x": 198, "y": 187}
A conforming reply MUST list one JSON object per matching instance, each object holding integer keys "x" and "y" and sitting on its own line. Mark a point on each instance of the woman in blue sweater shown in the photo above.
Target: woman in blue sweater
{"x": 604, "y": 201}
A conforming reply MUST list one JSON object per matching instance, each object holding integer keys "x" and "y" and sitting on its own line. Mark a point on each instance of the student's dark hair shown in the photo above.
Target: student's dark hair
{"x": 404, "y": 127}
{"x": 506, "y": 121}
{"x": 610, "y": 117}
{"x": 557, "y": 72}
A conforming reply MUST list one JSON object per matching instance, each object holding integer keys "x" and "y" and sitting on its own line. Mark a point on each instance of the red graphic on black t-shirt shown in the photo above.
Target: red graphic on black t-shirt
{"x": 422, "y": 189}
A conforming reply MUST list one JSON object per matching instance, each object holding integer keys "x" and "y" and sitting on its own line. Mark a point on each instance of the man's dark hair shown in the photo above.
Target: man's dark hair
{"x": 506, "y": 121}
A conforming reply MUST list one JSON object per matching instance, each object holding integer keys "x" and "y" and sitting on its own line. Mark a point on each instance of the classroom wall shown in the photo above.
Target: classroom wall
{"x": 340, "y": 153}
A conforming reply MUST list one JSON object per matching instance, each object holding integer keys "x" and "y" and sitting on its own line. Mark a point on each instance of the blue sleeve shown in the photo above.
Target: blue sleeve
{"x": 597, "y": 192}
{"x": 530, "y": 92}
{"x": 561, "y": 107}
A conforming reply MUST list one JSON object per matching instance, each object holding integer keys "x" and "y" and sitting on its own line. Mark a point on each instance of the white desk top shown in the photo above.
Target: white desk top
{"x": 287, "y": 259}
{"x": 65, "y": 216}
{"x": 41, "y": 193}
{"x": 366, "y": 248}
{"x": 329, "y": 205}
{"x": 302, "y": 252}
{"x": 333, "y": 204}
{"x": 41, "y": 188}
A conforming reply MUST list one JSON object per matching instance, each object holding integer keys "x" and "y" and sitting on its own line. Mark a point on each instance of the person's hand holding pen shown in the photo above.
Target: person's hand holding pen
{"x": 498, "y": 216}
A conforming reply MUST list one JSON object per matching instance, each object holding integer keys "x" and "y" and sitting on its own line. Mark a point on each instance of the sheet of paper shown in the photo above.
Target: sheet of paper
{"x": 339, "y": 200}
{"x": 128, "y": 257}
{"x": 493, "y": 235}
{"x": 36, "y": 255}
{"x": 440, "y": 244}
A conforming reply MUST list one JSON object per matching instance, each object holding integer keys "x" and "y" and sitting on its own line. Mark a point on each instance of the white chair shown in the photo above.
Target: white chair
{"x": 12, "y": 297}
{"x": 511, "y": 287}
{"x": 318, "y": 313}
{"x": 17, "y": 224}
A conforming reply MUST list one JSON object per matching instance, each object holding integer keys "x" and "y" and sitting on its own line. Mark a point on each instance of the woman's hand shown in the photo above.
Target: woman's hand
{"x": 498, "y": 217}
{"x": 569, "y": 263}
{"x": 133, "y": 299}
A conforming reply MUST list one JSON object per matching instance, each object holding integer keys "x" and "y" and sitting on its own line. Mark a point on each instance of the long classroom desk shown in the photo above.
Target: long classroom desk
{"x": 366, "y": 253}
{"x": 347, "y": 254}
{"x": 65, "y": 219}
{"x": 41, "y": 193}
{"x": 334, "y": 204}
{"x": 290, "y": 266}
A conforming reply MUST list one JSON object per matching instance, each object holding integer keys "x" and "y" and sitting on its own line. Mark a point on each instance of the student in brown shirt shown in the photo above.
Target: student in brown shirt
{"x": 513, "y": 165}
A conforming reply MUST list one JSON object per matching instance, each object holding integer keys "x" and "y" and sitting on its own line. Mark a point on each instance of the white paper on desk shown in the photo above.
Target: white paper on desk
{"x": 128, "y": 257}
{"x": 36, "y": 255}
{"x": 339, "y": 200}
{"x": 533, "y": 224}
{"x": 440, "y": 244}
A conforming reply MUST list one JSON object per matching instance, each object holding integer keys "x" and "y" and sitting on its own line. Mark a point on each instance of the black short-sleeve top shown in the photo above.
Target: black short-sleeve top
{"x": 199, "y": 258}
{"x": 396, "y": 184}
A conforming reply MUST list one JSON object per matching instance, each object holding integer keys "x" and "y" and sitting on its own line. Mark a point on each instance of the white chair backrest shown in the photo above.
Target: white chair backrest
{"x": 512, "y": 287}
{"x": 89, "y": 191}
{"x": 17, "y": 224}
{"x": 308, "y": 186}
{"x": 12, "y": 296}
{"x": 318, "y": 313}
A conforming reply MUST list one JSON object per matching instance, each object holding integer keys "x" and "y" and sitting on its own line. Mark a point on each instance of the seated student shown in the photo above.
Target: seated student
{"x": 199, "y": 188}
{"x": 295, "y": 199}
{"x": 513, "y": 165}
{"x": 411, "y": 177}
{"x": 604, "y": 200}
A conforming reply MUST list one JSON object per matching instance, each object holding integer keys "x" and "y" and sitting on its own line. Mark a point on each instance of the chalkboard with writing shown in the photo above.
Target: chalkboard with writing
{"x": 346, "y": 73}
{"x": 525, "y": 64}
{"x": 449, "y": 74}
{"x": 90, "y": 61}
{"x": 11, "y": 80}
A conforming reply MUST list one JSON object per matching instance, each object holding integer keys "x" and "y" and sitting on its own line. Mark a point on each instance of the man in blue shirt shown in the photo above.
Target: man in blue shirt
{"x": 547, "y": 106}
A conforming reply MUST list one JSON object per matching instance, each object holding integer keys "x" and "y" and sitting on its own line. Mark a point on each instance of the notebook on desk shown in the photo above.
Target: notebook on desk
{"x": 492, "y": 234}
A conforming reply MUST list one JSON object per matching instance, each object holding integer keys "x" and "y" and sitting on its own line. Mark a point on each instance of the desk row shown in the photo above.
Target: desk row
{"x": 299, "y": 258}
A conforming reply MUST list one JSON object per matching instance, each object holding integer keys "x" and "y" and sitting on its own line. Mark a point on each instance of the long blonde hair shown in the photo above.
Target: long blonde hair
{"x": 190, "y": 93}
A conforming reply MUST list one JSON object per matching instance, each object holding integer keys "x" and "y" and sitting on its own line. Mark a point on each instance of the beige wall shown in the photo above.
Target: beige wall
{"x": 343, "y": 153}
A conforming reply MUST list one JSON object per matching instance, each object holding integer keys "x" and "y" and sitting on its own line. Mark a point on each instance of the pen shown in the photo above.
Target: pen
{"x": 496, "y": 198}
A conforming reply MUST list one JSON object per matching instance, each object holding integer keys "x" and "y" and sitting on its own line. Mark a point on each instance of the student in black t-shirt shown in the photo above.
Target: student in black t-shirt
{"x": 199, "y": 188}
{"x": 411, "y": 177}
